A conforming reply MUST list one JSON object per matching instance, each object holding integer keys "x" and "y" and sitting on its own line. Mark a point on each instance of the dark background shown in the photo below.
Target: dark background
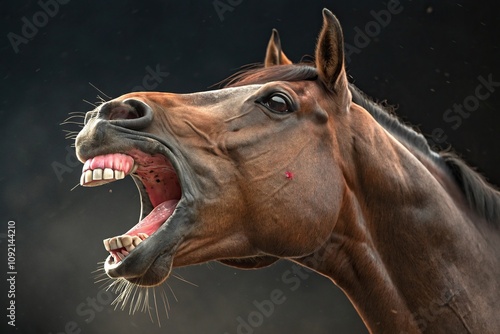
{"x": 428, "y": 58}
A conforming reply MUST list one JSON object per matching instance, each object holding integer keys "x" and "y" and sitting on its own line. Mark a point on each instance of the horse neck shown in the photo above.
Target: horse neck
{"x": 404, "y": 249}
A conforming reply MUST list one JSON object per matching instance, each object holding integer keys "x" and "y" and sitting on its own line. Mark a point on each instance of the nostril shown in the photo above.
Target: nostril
{"x": 131, "y": 114}
{"x": 88, "y": 116}
{"x": 123, "y": 112}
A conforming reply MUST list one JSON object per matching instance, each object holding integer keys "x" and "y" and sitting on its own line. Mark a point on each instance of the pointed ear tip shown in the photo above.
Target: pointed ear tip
{"x": 275, "y": 37}
{"x": 328, "y": 15}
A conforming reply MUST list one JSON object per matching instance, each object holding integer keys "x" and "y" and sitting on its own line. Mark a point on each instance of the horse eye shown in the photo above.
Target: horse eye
{"x": 277, "y": 103}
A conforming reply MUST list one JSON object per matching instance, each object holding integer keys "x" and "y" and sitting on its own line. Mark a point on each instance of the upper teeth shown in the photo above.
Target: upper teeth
{"x": 100, "y": 174}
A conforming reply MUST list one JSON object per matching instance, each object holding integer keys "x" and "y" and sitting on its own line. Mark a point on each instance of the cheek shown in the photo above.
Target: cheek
{"x": 297, "y": 215}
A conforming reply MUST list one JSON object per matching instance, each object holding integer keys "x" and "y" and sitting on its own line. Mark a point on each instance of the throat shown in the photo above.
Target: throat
{"x": 405, "y": 255}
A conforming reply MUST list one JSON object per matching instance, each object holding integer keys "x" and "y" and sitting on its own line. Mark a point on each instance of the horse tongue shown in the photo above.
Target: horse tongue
{"x": 155, "y": 219}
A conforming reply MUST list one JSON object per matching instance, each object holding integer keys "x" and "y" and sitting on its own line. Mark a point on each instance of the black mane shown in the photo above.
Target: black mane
{"x": 481, "y": 196}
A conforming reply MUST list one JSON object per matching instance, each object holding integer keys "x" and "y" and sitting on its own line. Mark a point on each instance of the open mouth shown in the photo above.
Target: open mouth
{"x": 160, "y": 191}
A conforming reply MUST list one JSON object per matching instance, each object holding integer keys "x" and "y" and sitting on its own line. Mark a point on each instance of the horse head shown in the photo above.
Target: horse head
{"x": 240, "y": 175}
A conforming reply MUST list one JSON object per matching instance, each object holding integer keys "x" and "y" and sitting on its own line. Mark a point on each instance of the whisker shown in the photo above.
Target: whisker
{"x": 137, "y": 305}
{"x": 180, "y": 278}
{"x": 156, "y": 307}
{"x": 132, "y": 301}
{"x": 75, "y": 116}
{"x": 127, "y": 295}
{"x": 67, "y": 122}
{"x": 77, "y": 185}
{"x": 101, "y": 100}
{"x": 101, "y": 280}
{"x": 173, "y": 294}
{"x": 165, "y": 301}
{"x": 146, "y": 305}
{"x": 99, "y": 271}
{"x": 98, "y": 275}
{"x": 100, "y": 91}
{"x": 112, "y": 286}
{"x": 135, "y": 297}
{"x": 88, "y": 102}
{"x": 120, "y": 290}
{"x": 103, "y": 285}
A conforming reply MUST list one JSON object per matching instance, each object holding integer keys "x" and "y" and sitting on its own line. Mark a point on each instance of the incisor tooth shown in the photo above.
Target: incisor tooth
{"x": 97, "y": 174}
{"x": 88, "y": 176}
{"x": 134, "y": 168}
{"x": 108, "y": 174}
{"x": 142, "y": 235}
{"x": 119, "y": 242}
{"x": 126, "y": 241}
{"x": 106, "y": 244}
{"x": 119, "y": 174}
{"x": 136, "y": 240}
{"x": 82, "y": 179}
{"x": 113, "y": 244}
{"x": 130, "y": 247}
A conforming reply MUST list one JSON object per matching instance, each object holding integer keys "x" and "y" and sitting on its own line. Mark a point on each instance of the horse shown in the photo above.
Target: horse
{"x": 292, "y": 161}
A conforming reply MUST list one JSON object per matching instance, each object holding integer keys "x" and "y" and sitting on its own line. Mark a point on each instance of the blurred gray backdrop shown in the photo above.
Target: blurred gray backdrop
{"x": 427, "y": 58}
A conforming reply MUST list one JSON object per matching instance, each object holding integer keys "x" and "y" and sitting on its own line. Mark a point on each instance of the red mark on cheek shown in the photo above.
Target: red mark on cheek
{"x": 289, "y": 175}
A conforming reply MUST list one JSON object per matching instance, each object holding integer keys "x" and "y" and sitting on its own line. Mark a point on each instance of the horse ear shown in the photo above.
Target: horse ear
{"x": 330, "y": 51}
{"x": 274, "y": 53}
